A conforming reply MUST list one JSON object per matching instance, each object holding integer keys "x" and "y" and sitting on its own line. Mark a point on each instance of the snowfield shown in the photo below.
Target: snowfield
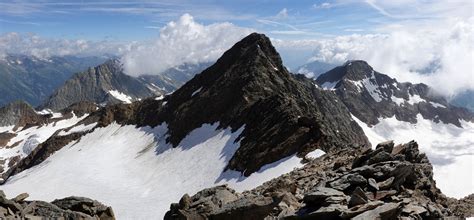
{"x": 137, "y": 173}
{"x": 121, "y": 96}
{"x": 26, "y": 140}
{"x": 449, "y": 148}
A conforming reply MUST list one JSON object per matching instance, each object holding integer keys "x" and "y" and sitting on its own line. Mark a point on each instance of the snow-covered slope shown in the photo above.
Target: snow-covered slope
{"x": 137, "y": 173}
{"x": 401, "y": 111}
{"x": 449, "y": 148}
{"x": 25, "y": 140}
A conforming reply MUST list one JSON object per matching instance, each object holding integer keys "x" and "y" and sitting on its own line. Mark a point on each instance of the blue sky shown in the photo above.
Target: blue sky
{"x": 397, "y": 37}
{"x": 138, "y": 20}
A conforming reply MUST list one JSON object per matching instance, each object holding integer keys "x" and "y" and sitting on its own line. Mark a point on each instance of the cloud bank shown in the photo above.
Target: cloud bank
{"x": 183, "y": 41}
{"x": 35, "y": 45}
{"x": 440, "y": 56}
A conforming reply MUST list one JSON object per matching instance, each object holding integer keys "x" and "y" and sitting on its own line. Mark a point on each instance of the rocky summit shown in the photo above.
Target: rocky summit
{"x": 249, "y": 87}
{"x": 67, "y": 208}
{"x": 370, "y": 95}
{"x": 390, "y": 182}
{"x": 103, "y": 84}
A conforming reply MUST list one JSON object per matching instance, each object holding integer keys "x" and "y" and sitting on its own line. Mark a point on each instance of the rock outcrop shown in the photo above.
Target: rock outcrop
{"x": 370, "y": 95}
{"x": 390, "y": 182}
{"x": 67, "y": 208}
{"x": 105, "y": 83}
{"x": 32, "y": 79}
{"x": 249, "y": 87}
{"x": 19, "y": 114}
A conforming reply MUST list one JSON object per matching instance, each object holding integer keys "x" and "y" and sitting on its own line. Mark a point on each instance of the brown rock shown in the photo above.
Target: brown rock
{"x": 358, "y": 197}
{"x": 21, "y": 197}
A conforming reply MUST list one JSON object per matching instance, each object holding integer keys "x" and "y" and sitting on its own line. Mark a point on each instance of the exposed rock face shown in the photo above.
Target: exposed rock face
{"x": 249, "y": 86}
{"x": 370, "y": 95}
{"x": 340, "y": 185}
{"x": 67, "y": 208}
{"x": 19, "y": 113}
{"x": 23, "y": 116}
{"x": 105, "y": 83}
{"x": 81, "y": 108}
{"x": 33, "y": 79}
{"x": 462, "y": 207}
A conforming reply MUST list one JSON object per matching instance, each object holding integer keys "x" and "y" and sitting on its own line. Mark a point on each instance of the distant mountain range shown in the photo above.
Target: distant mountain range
{"x": 32, "y": 79}
{"x": 103, "y": 84}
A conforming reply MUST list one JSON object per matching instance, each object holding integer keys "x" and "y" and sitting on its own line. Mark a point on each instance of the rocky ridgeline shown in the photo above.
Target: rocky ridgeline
{"x": 370, "y": 95}
{"x": 67, "y": 208}
{"x": 390, "y": 182}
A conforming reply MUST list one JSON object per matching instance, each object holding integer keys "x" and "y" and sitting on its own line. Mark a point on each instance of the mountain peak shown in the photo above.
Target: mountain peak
{"x": 371, "y": 95}
{"x": 248, "y": 88}
{"x": 249, "y": 48}
{"x": 351, "y": 70}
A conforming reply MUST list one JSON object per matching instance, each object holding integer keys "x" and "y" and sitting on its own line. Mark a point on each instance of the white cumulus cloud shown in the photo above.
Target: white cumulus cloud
{"x": 182, "y": 41}
{"x": 440, "y": 55}
{"x": 35, "y": 45}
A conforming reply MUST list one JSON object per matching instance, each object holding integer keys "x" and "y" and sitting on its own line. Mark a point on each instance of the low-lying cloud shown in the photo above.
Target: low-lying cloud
{"x": 183, "y": 41}
{"x": 440, "y": 56}
{"x": 35, "y": 45}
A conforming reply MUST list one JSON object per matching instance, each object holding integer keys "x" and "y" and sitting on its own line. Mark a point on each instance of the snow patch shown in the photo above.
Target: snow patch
{"x": 269, "y": 171}
{"x": 136, "y": 172}
{"x": 120, "y": 96}
{"x": 414, "y": 99}
{"x": 437, "y": 105}
{"x": 316, "y": 153}
{"x": 398, "y": 101}
{"x": 78, "y": 128}
{"x": 159, "y": 97}
{"x": 329, "y": 85}
{"x": 449, "y": 148}
{"x": 28, "y": 139}
{"x": 372, "y": 87}
{"x": 196, "y": 92}
{"x": 6, "y": 128}
{"x": 49, "y": 111}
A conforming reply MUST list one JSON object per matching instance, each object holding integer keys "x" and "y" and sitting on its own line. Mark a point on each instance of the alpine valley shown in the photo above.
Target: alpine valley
{"x": 241, "y": 138}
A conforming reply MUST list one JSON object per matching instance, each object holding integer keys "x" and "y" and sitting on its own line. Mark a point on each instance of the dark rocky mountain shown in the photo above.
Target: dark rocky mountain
{"x": 66, "y": 208}
{"x": 390, "y": 182}
{"x": 314, "y": 69}
{"x": 280, "y": 115}
{"x": 18, "y": 113}
{"x": 248, "y": 86}
{"x": 32, "y": 79}
{"x": 103, "y": 84}
{"x": 173, "y": 78}
{"x": 370, "y": 95}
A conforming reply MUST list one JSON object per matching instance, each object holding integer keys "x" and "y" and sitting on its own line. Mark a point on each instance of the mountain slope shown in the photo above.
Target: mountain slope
{"x": 105, "y": 83}
{"x": 243, "y": 115}
{"x": 32, "y": 79}
{"x": 370, "y": 95}
{"x": 390, "y": 182}
{"x": 248, "y": 86}
{"x": 390, "y": 110}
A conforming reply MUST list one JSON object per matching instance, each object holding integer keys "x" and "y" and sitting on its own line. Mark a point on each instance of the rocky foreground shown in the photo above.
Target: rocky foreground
{"x": 67, "y": 208}
{"x": 390, "y": 182}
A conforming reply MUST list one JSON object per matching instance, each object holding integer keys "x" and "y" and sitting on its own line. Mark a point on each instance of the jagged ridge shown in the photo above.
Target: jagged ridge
{"x": 390, "y": 182}
{"x": 371, "y": 95}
